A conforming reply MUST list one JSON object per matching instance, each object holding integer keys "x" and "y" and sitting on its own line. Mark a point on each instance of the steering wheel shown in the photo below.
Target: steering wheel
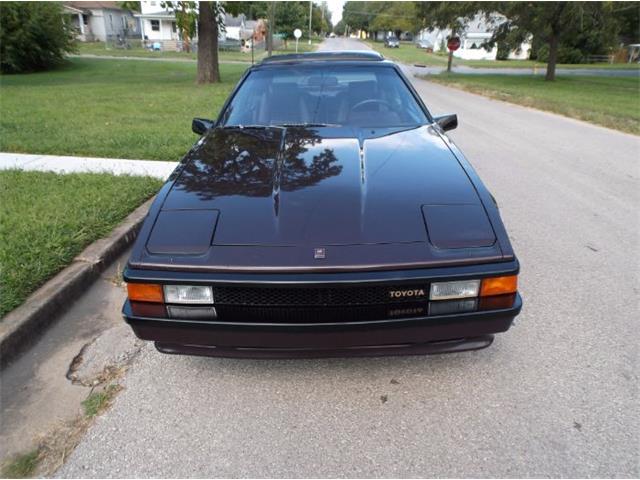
{"x": 371, "y": 101}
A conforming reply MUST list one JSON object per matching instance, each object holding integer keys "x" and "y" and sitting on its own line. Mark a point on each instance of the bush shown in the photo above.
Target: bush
{"x": 503, "y": 51}
{"x": 565, "y": 55}
{"x": 33, "y": 36}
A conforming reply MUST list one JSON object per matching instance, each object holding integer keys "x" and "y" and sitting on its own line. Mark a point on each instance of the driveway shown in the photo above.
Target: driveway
{"x": 555, "y": 396}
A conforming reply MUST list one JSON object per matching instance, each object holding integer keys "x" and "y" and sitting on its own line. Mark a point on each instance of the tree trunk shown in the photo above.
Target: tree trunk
{"x": 553, "y": 57}
{"x": 208, "y": 71}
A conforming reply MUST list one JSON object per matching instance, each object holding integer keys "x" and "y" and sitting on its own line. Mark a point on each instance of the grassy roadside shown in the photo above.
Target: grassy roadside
{"x": 22, "y": 466}
{"x": 109, "y": 108}
{"x": 612, "y": 102}
{"x": 408, "y": 53}
{"x": 47, "y": 219}
{"x": 55, "y": 445}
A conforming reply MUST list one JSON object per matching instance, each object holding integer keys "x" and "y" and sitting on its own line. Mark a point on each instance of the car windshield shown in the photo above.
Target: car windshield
{"x": 356, "y": 96}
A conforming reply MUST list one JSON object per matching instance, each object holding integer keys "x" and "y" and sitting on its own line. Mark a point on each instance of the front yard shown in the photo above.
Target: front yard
{"x": 410, "y": 54}
{"x": 613, "y": 102}
{"x": 109, "y": 108}
{"x": 47, "y": 219}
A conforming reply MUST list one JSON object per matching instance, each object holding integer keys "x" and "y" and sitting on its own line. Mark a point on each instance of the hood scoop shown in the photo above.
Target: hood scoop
{"x": 310, "y": 187}
{"x": 458, "y": 226}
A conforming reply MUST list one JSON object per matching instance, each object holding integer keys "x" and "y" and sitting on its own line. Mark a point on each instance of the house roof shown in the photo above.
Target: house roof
{"x": 70, "y": 9}
{"x": 158, "y": 14}
{"x": 231, "y": 21}
{"x": 94, "y": 5}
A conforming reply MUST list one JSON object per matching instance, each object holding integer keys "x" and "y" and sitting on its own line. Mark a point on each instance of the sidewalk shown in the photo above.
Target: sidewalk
{"x": 158, "y": 59}
{"x": 65, "y": 164}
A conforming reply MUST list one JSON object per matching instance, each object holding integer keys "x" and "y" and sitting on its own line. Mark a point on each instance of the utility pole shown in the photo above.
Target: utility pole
{"x": 272, "y": 21}
{"x": 310, "y": 13}
{"x": 253, "y": 35}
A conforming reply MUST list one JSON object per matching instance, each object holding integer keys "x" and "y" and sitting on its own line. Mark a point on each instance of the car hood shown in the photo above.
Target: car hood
{"x": 277, "y": 195}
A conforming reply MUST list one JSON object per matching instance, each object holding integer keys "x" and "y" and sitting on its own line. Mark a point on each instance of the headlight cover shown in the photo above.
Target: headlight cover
{"x": 190, "y": 294}
{"x": 453, "y": 290}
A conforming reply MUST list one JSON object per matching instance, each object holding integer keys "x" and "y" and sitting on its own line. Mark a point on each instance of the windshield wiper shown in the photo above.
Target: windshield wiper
{"x": 242, "y": 127}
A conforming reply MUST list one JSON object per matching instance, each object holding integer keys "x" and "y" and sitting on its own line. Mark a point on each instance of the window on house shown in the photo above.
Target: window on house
{"x": 173, "y": 27}
{"x": 85, "y": 19}
{"x": 155, "y": 25}
{"x": 153, "y": 4}
{"x": 111, "y": 21}
{"x": 125, "y": 25}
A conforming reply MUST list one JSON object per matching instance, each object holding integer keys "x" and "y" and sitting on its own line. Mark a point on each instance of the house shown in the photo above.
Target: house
{"x": 157, "y": 24}
{"x": 237, "y": 28}
{"x": 101, "y": 21}
{"x": 476, "y": 32}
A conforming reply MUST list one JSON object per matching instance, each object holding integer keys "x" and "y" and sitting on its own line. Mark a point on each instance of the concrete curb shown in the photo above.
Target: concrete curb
{"x": 22, "y": 327}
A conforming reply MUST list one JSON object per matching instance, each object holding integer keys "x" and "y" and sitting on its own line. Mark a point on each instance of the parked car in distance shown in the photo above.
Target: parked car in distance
{"x": 391, "y": 42}
{"x": 325, "y": 212}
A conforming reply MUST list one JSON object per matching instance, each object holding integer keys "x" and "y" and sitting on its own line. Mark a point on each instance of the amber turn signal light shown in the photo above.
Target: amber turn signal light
{"x": 499, "y": 285}
{"x": 145, "y": 292}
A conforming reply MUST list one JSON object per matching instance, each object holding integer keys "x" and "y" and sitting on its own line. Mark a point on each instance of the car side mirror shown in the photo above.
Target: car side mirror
{"x": 201, "y": 125}
{"x": 447, "y": 122}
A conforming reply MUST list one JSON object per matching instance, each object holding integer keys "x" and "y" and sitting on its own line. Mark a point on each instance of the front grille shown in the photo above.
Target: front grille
{"x": 314, "y": 296}
{"x": 293, "y": 315}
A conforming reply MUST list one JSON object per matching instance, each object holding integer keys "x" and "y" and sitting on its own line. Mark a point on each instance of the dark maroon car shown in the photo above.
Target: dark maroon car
{"x": 325, "y": 212}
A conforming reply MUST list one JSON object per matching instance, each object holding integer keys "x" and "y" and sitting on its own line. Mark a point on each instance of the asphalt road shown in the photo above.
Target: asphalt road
{"x": 556, "y": 396}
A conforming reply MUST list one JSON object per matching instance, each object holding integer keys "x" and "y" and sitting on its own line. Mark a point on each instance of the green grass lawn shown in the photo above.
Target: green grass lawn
{"x": 613, "y": 102}
{"x": 98, "y": 48}
{"x": 46, "y": 219}
{"x": 408, "y": 53}
{"x": 109, "y": 108}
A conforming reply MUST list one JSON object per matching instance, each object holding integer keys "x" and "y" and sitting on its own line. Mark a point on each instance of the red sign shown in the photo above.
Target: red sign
{"x": 453, "y": 44}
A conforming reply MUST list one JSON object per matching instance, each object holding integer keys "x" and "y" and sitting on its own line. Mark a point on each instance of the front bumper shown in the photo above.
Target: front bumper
{"x": 243, "y": 326}
{"x": 413, "y": 335}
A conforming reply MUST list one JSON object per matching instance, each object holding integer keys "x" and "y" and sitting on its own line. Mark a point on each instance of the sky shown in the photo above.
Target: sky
{"x": 335, "y": 7}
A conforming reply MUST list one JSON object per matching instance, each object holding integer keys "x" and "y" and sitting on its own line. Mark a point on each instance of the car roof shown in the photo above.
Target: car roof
{"x": 341, "y": 56}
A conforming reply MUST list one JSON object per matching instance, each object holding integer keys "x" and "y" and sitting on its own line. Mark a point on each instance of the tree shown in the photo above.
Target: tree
{"x": 33, "y": 36}
{"x": 627, "y": 16}
{"x": 358, "y": 14}
{"x": 208, "y": 21}
{"x": 288, "y": 17}
{"x": 557, "y": 24}
{"x": 396, "y": 17}
{"x": 252, "y": 10}
{"x": 339, "y": 28}
{"x": 129, "y": 5}
{"x": 447, "y": 15}
{"x": 321, "y": 18}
